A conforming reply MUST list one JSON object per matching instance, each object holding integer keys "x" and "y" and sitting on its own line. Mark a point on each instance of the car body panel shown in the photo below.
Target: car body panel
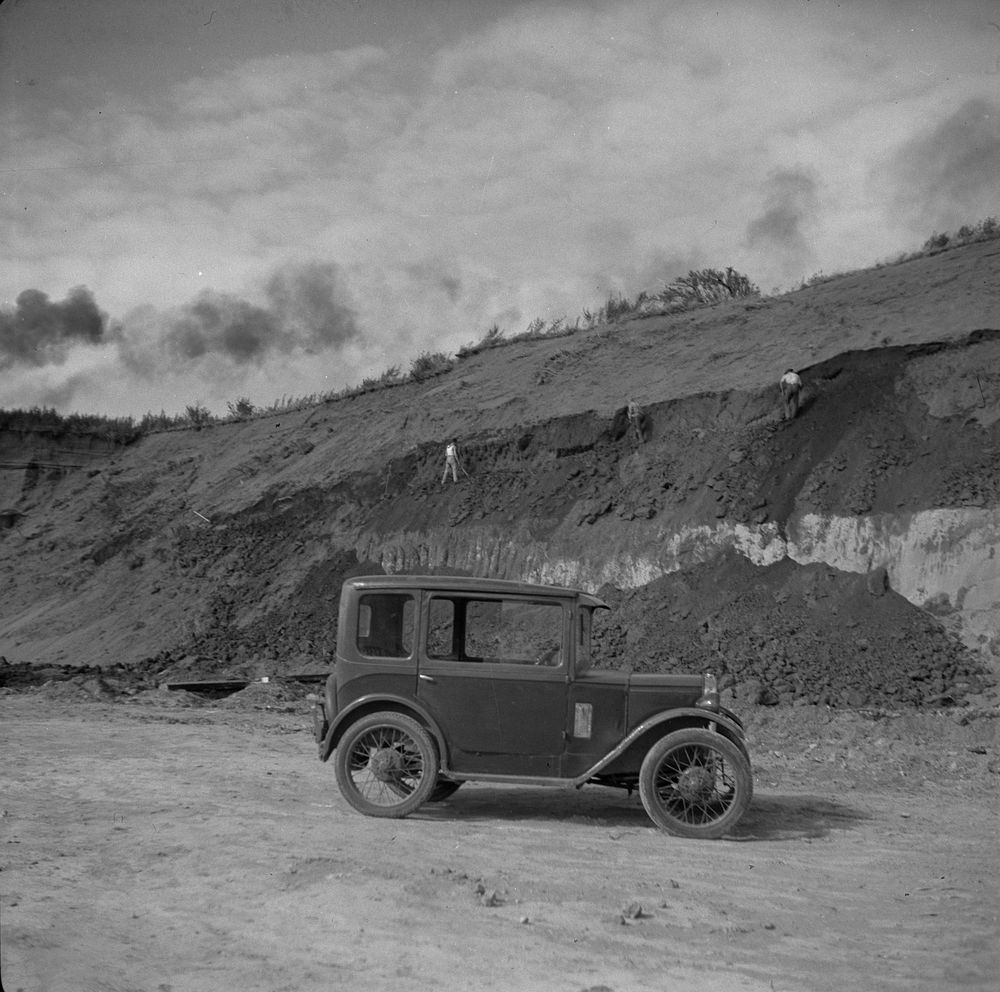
{"x": 650, "y": 694}
{"x": 595, "y": 718}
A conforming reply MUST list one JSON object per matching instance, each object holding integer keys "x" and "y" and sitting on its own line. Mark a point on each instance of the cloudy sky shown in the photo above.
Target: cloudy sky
{"x": 208, "y": 199}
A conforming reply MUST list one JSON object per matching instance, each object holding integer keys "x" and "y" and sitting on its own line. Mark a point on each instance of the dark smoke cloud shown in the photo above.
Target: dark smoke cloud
{"x": 948, "y": 176}
{"x": 619, "y": 264}
{"x": 790, "y": 204}
{"x": 61, "y": 395}
{"x": 310, "y": 304}
{"x": 306, "y": 310}
{"x": 39, "y": 331}
{"x": 435, "y": 274}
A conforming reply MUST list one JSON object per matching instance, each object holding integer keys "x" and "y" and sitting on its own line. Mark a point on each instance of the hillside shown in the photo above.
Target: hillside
{"x": 845, "y": 557}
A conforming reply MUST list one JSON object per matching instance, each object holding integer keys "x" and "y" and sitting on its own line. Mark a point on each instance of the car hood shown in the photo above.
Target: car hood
{"x": 641, "y": 680}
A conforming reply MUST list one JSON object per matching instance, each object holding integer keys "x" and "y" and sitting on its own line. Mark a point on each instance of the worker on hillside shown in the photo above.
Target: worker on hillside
{"x": 634, "y": 414}
{"x": 451, "y": 461}
{"x": 790, "y": 386}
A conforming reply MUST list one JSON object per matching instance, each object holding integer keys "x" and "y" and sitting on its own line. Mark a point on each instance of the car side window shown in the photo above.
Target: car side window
{"x": 386, "y": 624}
{"x": 498, "y": 631}
{"x": 441, "y": 630}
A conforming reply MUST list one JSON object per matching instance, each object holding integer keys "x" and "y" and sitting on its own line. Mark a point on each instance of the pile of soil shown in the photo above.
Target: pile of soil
{"x": 780, "y": 634}
{"x": 787, "y": 633}
{"x": 89, "y": 680}
{"x": 284, "y": 697}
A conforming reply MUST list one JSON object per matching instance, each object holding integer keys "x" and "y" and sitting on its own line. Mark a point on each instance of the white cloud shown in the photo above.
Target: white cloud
{"x": 527, "y": 168}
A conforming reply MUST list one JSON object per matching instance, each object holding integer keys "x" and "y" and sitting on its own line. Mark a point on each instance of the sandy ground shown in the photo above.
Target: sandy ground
{"x": 158, "y": 849}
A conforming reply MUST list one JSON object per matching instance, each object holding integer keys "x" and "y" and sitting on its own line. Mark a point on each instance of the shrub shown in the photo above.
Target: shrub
{"x": 162, "y": 421}
{"x": 429, "y": 364}
{"x": 493, "y": 338}
{"x": 936, "y": 242}
{"x": 617, "y": 307}
{"x": 120, "y": 430}
{"x": 242, "y": 409}
{"x": 198, "y": 416}
{"x": 985, "y": 230}
{"x": 705, "y": 286}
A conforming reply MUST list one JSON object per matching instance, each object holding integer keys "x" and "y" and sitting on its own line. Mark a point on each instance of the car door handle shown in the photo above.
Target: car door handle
{"x": 427, "y": 678}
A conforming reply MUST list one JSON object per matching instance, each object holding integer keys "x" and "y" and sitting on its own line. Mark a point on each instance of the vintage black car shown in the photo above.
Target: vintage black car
{"x": 440, "y": 680}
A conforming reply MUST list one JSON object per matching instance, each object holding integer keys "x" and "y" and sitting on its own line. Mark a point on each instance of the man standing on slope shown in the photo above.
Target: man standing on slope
{"x": 790, "y": 386}
{"x": 634, "y": 413}
{"x": 450, "y": 461}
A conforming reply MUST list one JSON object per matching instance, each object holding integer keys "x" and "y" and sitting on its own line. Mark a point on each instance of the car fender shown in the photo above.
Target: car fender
{"x": 373, "y": 704}
{"x": 718, "y": 722}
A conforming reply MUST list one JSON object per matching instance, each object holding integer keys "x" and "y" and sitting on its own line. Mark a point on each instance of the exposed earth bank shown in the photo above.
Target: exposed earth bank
{"x": 847, "y": 557}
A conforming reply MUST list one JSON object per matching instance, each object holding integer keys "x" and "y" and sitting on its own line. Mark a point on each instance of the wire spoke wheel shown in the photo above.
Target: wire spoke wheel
{"x": 695, "y": 783}
{"x": 386, "y": 765}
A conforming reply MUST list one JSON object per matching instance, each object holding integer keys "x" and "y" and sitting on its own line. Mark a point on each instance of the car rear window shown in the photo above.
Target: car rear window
{"x": 495, "y": 630}
{"x": 386, "y": 622}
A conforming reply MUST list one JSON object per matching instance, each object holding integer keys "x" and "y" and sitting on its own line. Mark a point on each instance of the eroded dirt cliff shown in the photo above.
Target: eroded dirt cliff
{"x": 847, "y": 556}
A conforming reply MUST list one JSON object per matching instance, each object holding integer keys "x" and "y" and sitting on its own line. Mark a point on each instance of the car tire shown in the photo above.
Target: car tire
{"x": 695, "y": 783}
{"x": 386, "y": 765}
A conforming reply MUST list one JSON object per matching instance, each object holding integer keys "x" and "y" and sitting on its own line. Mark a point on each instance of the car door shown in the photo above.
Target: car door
{"x": 596, "y": 705}
{"x": 492, "y": 672}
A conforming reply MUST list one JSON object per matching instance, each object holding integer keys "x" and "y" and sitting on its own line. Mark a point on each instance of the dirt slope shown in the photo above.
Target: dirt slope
{"x": 223, "y": 549}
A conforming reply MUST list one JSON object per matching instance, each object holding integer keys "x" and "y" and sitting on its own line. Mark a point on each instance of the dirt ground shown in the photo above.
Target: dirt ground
{"x": 174, "y": 845}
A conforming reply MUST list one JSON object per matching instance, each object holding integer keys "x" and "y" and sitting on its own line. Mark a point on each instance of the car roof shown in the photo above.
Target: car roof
{"x": 466, "y": 584}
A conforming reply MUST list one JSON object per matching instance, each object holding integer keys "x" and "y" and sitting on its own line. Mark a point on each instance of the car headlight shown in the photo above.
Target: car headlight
{"x": 709, "y": 699}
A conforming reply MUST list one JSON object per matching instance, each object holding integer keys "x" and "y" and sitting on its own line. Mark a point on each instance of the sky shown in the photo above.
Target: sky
{"x": 208, "y": 200}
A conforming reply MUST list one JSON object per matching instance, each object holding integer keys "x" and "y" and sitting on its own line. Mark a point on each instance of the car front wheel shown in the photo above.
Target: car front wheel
{"x": 386, "y": 765}
{"x": 695, "y": 783}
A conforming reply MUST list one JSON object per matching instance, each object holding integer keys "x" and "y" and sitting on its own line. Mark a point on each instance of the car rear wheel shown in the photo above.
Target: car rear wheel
{"x": 695, "y": 783}
{"x": 386, "y": 765}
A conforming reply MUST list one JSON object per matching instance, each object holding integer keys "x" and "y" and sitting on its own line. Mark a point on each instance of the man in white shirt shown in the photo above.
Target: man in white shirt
{"x": 790, "y": 386}
{"x": 450, "y": 461}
